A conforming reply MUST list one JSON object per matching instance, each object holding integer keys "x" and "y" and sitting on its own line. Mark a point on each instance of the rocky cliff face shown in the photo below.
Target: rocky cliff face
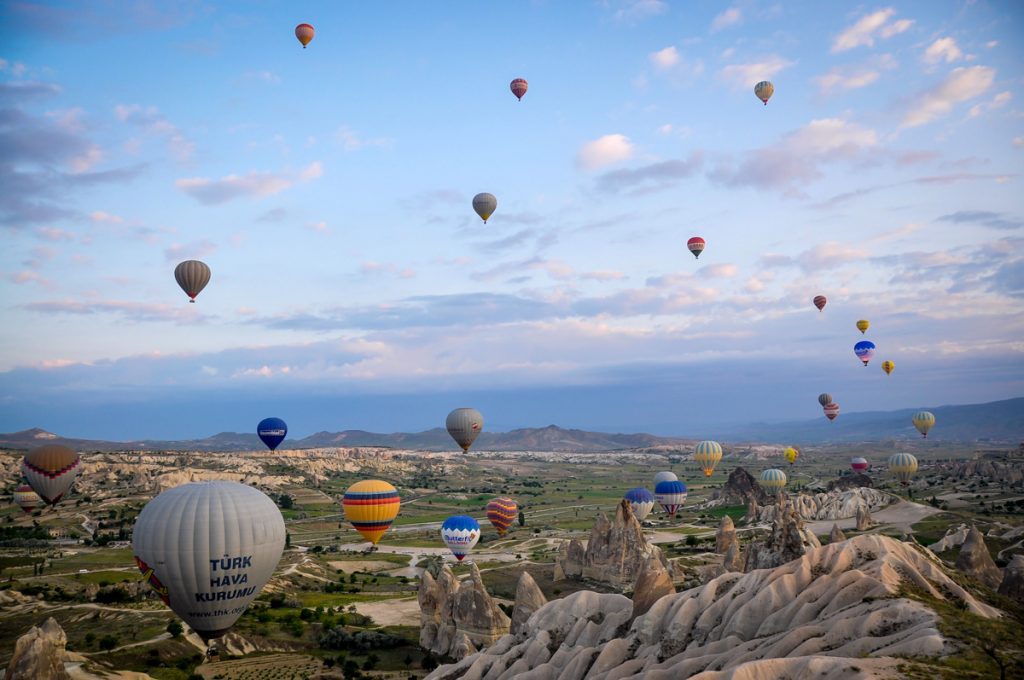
{"x": 616, "y": 552}
{"x": 955, "y": 536}
{"x": 725, "y": 536}
{"x": 975, "y": 560}
{"x": 833, "y": 608}
{"x": 740, "y": 489}
{"x": 654, "y": 583}
{"x": 1013, "y": 579}
{"x": 789, "y": 540}
{"x": 831, "y": 505}
{"x": 1011, "y": 472}
{"x": 457, "y": 618}
{"x": 39, "y": 654}
{"x": 529, "y": 599}
{"x": 854, "y": 481}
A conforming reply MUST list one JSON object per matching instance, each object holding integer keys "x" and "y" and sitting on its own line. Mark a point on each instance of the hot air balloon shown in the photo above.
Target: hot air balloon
{"x": 903, "y": 465}
{"x": 670, "y": 496}
{"x": 764, "y": 91}
{"x": 641, "y": 501}
{"x": 464, "y": 425}
{"x": 696, "y": 245}
{"x": 824, "y": 398}
{"x": 859, "y": 464}
{"x": 665, "y": 476}
{"x": 502, "y": 512}
{"x": 272, "y": 432}
{"x": 923, "y": 421}
{"x": 192, "y": 276}
{"x": 485, "y": 204}
{"x": 305, "y": 32}
{"x": 820, "y": 301}
{"x": 888, "y": 366}
{"x": 371, "y": 506}
{"x": 51, "y": 470}
{"x": 460, "y": 533}
{"x": 519, "y": 87}
{"x": 865, "y": 349}
{"x": 707, "y": 454}
{"x": 790, "y": 454}
{"x": 26, "y": 499}
{"x": 863, "y": 325}
{"x": 773, "y": 480}
{"x": 831, "y": 411}
{"x": 208, "y": 548}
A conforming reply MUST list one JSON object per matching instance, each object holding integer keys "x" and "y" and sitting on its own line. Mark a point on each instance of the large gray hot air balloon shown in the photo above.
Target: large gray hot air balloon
{"x": 485, "y": 204}
{"x": 192, "y": 276}
{"x": 465, "y": 425}
{"x": 665, "y": 476}
{"x": 208, "y": 548}
{"x": 51, "y": 470}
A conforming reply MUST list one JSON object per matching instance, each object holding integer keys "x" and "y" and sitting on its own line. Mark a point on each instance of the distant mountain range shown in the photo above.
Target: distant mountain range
{"x": 998, "y": 421}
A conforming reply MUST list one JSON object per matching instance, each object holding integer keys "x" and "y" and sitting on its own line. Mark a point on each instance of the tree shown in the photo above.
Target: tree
{"x": 285, "y": 501}
{"x": 108, "y": 642}
{"x": 522, "y": 519}
{"x": 287, "y": 540}
{"x": 175, "y": 628}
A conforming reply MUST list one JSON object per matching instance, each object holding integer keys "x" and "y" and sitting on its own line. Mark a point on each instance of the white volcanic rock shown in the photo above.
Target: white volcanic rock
{"x": 39, "y": 654}
{"x": 831, "y": 505}
{"x": 864, "y": 521}
{"x": 975, "y": 560}
{"x": 788, "y": 540}
{"x": 653, "y": 583}
{"x": 725, "y": 536}
{"x": 954, "y": 537}
{"x": 529, "y": 599}
{"x": 826, "y": 610}
{"x": 458, "y": 618}
{"x": 836, "y": 535}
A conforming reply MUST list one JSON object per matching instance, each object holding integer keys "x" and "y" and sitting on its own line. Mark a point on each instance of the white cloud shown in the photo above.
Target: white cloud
{"x": 742, "y": 76}
{"x": 101, "y": 217}
{"x": 604, "y": 151}
{"x": 848, "y": 80}
{"x": 729, "y": 17}
{"x": 634, "y": 10}
{"x": 718, "y": 271}
{"x": 998, "y": 102}
{"x": 943, "y": 49}
{"x": 664, "y": 59}
{"x": 962, "y": 84}
{"x": 863, "y": 32}
{"x": 155, "y": 123}
{"x": 216, "y": 191}
{"x": 268, "y": 77}
{"x": 353, "y": 141}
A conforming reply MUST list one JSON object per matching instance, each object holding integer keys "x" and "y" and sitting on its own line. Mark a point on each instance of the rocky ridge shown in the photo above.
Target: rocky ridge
{"x": 837, "y": 602}
{"x": 457, "y": 618}
{"x": 831, "y": 505}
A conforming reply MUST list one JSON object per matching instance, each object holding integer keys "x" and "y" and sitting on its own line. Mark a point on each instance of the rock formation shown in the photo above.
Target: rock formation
{"x": 616, "y": 552}
{"x": 975, "y": 560}
{"x": 864, "y": 521}
{"x": 653, "y": 584}
{"x": 529, "y": 599}
{"x": 1010, "y": 472}
{"x": 725, "y": 536}
{"x": 789, "y": 540}
{"x": 753, "y": 511}
{"x": 833, "y": 608}
{"x": 836, "y": 534}
{"x": 955, "y": 536}
{"x": 733, "y": 559}
{"x": 458, "y": 618}
{"x": 832, "y": 505}
{"x": 853, "y": 481}
{"x": 39, "y": 654}
{"x": 740, "y": 489}
{"x": 1013, "y": 579}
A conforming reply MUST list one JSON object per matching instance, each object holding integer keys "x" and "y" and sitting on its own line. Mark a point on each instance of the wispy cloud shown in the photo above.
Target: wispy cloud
{"x": 638, "y": 10}
{"x": 351, "y": 140}
{"x": 983, "y": 217}
{"x": 845, "y": 78}
{"x": 960, "y": 85}
{"x": 652, "y": 177}
{"x": 744, "y": 76}
{"x": 604, "y": 151}
{"x": 942, "y": 50}
{"x": 131, "y": 311}
{"x": 255, "y": 184}
{"x": 869, "y": 27}
{"x": 730, "y": 17}
{"x": 389, "y": 268}
{"x": 189, "y": 251}
{"x": 150, "y": 120}
{"x": 664, "y": 59}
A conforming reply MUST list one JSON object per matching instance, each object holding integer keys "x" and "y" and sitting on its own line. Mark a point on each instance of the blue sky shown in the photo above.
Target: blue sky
{"x": 329, "y": 190}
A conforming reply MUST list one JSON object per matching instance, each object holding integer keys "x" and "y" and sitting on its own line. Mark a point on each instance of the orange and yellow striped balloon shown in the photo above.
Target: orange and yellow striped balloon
{"x": 502, "y": 512}
{"x": 371, "y": 506}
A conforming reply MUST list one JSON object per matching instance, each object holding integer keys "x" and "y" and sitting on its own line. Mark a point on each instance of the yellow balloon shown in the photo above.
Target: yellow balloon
{"x": 790, "y": 454}
{"x": 888, "y": 366}
{"x": 863, "y": 325}
{"x": 371, "y": 506}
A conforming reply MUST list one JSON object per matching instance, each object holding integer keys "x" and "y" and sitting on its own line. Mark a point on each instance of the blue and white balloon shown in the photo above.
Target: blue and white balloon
{"x": 460, "y": 533}
{"x": 670, "y": 496}
{"x": 641, "y": 501}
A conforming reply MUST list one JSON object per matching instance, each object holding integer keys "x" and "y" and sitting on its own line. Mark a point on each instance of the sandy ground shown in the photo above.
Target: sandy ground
{"x": 900, "y": 516}
{"x": 349, "y": 566}
{"x": 403, "y": 612}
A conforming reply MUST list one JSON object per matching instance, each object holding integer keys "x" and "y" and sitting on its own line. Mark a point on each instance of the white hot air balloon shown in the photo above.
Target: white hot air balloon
{"x": 485, "y": 204}
{"x": 208, "y": 548}
{"x": 464, "y": 425}
{"x": 665, "y": 476}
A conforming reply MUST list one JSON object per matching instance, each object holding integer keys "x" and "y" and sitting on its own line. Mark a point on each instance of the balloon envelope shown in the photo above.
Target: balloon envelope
{"x": 707, "y": 454}
{"x": 192, "y": 276}
{"x": 208, "y": 548}
{"x": 464, "y": 425}
{"x": 903, "y": 465}
{"x": 863, "y": 325}
{"x": 272, "y": 432}
{"x": 865, "y": 349}
{"x": 27, "y": 499}
{"x": 519, "y": 87}
{"x": 502, "y": 512}
{"x": 888, "y": 366}
{"x": 670, "y": 496}
{"x": 485, "y": 204}
{"x": 371, "y": 506}
{"x": 665, "y": 476}
{"x": 305, "y": 33}
{"x": 460, "y": 533}
{"x": 820, "y": 301}
{"x": 859, "y": 464}
{"x": 773, "y": 480}
{"x": 50, "y": 471}
{"x": 641, "y": 501}
{"x": 764, "y": 91}
{"x": 790, "y": 454}
{"x": 824, "y": 398}
{"x": 696, "y": 245}
{"x": 923, "y": 421}
{"x": 831, "y": 411}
